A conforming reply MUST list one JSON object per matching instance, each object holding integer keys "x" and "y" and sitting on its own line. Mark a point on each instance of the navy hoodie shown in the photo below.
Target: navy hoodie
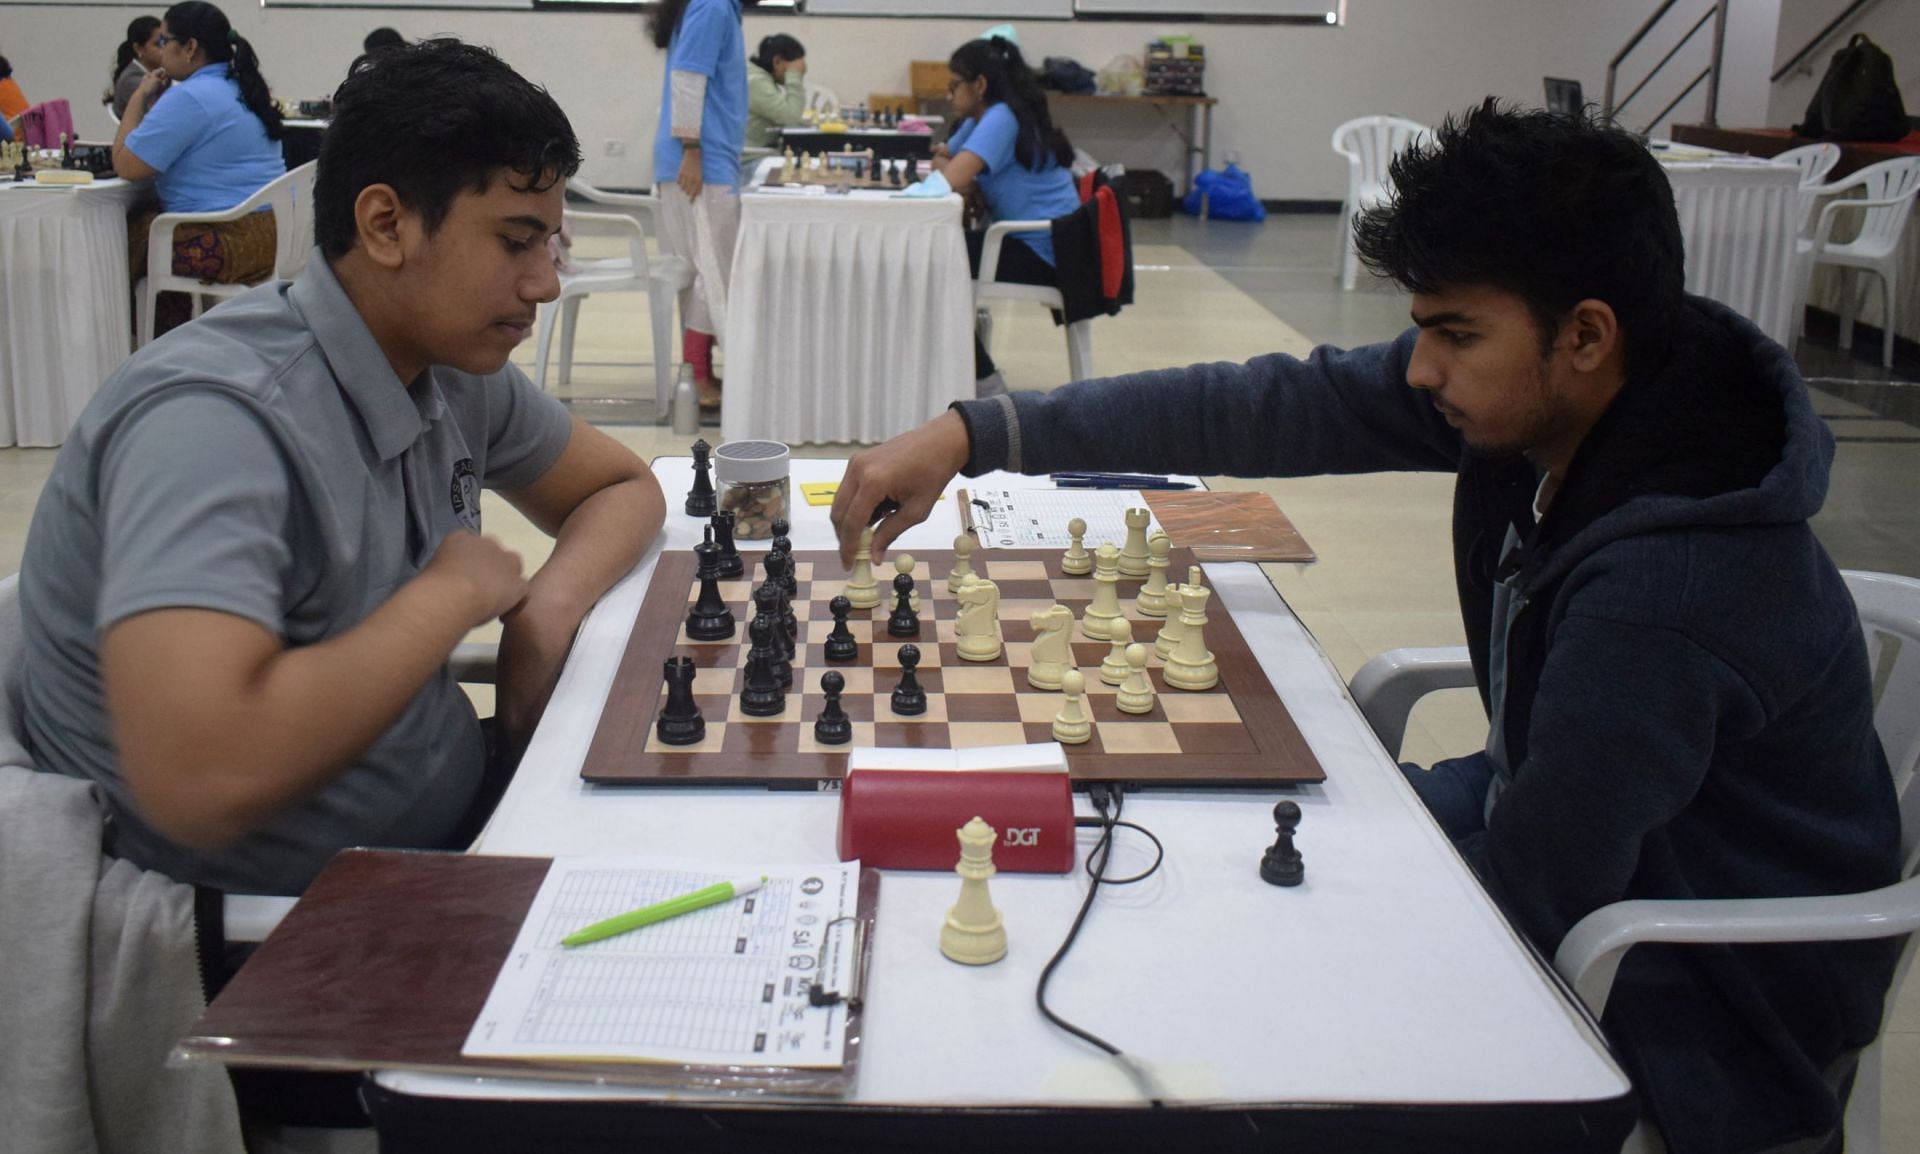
{"x": 1687, "y": 714}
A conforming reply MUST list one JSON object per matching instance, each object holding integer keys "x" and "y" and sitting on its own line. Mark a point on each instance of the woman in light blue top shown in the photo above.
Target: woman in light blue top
{"x": 1008, "y": 148}
{"x": 204, "y": 129}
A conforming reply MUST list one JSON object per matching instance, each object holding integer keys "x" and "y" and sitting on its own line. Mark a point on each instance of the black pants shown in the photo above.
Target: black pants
{"x": 1019, "y": 264}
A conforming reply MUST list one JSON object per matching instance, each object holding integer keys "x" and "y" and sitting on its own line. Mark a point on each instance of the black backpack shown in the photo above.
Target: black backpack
{"x": 1857, "y": 98}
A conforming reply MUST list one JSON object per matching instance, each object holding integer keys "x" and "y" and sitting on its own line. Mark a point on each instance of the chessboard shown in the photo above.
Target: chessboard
{"x": 1237, "y": 733}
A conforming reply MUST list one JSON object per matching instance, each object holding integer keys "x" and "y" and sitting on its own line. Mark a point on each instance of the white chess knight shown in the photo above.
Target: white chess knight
{"x": 1052, "y": 652}
{"x": 1113, "y": 667}
{"x": 1152, "y": 598}
{"x": 978, "y": 629}
{"x": 1136, "y": 692}
{"x": 904, "y": 564}
{"x": 1104, "y": 609}
{"x": 1133, "y": 554}
{"x": 1072, "y": 726}
{"x": 1191, "y": 666}
{"x": 973, "y": 934}
{"x": 962, "y": 563}
{"x": 862, "y": 591}
{"x": 1076, "y": 561}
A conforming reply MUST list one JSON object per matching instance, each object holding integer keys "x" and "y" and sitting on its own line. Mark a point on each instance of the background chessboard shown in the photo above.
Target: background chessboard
{"x": 1235, "y": 733}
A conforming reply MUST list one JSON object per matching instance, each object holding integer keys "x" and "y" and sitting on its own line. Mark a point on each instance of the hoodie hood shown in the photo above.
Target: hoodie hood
{"x": 1721, "y": 433}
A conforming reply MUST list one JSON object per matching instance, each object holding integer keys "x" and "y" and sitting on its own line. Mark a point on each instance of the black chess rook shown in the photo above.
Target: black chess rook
{"x": 1281, "y": 865}
{"x": 680, "y": 722}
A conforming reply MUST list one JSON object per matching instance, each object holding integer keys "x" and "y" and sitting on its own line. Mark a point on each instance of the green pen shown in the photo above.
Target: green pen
{"x": 660, "y": 911}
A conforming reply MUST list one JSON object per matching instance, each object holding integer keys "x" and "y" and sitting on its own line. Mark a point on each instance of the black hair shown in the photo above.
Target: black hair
{"x": 433, "y": 119}
{"x": 200, "y": 21}
{"x": 665, "y": 20}
{"x": 6, "y": 68}
{"x": 137, "y": 34}
{"x": 1011, "y": 82}
{"x": 1555, "y": 208}
{"x": 382, "y": 38}
{"x": 780, "y": 46}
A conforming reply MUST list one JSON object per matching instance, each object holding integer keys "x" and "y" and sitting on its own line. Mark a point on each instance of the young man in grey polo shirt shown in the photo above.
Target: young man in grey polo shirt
{"x": 261, "y": 543}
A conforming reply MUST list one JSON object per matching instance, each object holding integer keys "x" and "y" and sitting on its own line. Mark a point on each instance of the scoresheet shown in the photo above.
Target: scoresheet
{"x": 726, "y": 985}
{"x": 1037, "y": 518}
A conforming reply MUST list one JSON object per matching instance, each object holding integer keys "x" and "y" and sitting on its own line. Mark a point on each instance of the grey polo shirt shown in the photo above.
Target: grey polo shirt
{"x": 266, "y": 462}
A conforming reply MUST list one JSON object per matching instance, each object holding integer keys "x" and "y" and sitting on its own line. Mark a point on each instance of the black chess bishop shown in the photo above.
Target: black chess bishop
{"x": 762, "y": 695}
{"x": 780, "y": 648}
{"x": 710, "y": 619}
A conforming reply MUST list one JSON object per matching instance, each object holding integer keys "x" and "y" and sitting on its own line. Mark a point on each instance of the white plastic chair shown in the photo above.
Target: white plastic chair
{"x": 1387, "y": 687}
{"x": 1079, "y": 333}
{"x": 663, "y": 277}
{"x": 1890, "y": 188}
{"x": 1814, "y": 161}
{"x": 290, "y": 197}
{"x": 1369, "y": 143}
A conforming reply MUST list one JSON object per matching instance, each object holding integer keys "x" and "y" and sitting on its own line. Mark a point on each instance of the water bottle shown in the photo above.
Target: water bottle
{"x": 686, "y": 404}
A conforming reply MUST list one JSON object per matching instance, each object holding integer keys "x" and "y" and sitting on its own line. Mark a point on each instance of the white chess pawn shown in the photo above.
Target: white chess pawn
{"x": 1071, "y": 725}
{"x": 973, "y": 934}
{"x": 1052, "y": 651}
{"x": 1077, "y": 562}
{"x": 1104, "y": 609}
{"x": 904, "y": 564}
{"x": 1136, "y": 692}
{"x": 1113, "y": 667}
{"x": 962, "y": 563}
{"x": 862, "y": 591}
{"x": 1133, "y": 554}
{"x": 1191, "y": 666}
{"x": 1169, "y": 637}
{"x": 1152, "y": 599}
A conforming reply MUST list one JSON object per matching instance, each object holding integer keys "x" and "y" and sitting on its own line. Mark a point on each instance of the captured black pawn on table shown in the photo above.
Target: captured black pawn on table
{"x": 904, "y": 622}
{"x": 841, "y": 645}
{"x": 680, "y": 722}
{"x": 762, "y": 695}
{"x": 700, "y": 502}
{"x": 909, "y": 700}
{"x": 710, "y": 619}
{"x": 833, "y": 726}
{"x": 731, "y": 566}
{"x": 766, "y": 605}
{"x": 1281, "y": 864}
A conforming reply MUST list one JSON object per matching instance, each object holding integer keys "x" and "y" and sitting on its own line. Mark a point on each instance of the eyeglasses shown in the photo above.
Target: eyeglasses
{"x": 162, "y": 40}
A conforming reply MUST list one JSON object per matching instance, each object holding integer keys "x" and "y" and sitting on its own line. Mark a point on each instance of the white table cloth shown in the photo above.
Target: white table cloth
{"x": 1739, "y": 219}
{"x": 1389, "y": 977}
{"x": 849, "y": 317}
{"x": 65, "y": 303}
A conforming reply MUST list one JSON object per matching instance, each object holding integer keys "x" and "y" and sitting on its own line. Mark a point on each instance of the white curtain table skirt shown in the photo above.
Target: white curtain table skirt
{"x": 1738, "y": 220}
{"x": 65, "y": 311}
{"x": 849, "y": 318}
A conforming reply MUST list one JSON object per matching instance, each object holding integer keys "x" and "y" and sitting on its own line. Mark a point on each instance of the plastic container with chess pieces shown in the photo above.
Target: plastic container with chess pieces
{"x": 751, "y": 478}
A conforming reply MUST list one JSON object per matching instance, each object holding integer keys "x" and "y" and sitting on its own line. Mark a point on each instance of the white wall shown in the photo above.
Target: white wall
{"x": 1893, "y": 24}
{"x": 1283, "y": 89}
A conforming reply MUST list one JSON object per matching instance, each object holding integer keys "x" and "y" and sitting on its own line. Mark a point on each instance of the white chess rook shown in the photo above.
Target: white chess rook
{"x": 1104, "y": 609}
{"x": 974, "y": 934}
{"x": 1191, "y": 666}
{"x": 1151, "y": 601}
{"x": 1133, "y": 554}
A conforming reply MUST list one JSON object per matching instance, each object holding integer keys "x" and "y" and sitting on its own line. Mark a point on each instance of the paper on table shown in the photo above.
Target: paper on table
{"x": 726, "y": 985}
{"x": 934, "y": 185}
{"x": 1037, "y": 518}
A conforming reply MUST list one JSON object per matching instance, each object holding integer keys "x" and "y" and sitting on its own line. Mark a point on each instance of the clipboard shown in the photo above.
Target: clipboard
{"x": 386, "y": 961}
{"x": 1216, "y": 525}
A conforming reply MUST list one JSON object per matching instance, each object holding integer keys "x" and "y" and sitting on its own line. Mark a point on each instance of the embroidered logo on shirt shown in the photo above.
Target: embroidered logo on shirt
{"x": 466, "y": 494}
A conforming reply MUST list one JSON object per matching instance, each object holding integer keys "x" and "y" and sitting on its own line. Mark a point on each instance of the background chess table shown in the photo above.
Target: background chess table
{"x": 1238, "y": 732}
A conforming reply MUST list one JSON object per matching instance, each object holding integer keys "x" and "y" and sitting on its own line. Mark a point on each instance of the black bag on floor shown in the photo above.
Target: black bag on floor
{"x": 1857, "y": 98}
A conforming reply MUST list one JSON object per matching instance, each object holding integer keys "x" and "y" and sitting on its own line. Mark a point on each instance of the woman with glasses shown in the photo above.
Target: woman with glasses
{"x": 204, "y": 129}
{"x": 1007, "y": 148}
{"x": 135, "y": 59}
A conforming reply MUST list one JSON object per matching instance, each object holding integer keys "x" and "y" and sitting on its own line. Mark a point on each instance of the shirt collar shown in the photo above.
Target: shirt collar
{"x": 393, "y": 414}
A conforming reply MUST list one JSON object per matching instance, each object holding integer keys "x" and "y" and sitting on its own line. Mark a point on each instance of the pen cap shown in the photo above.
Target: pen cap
{"x": 905, "y": 818}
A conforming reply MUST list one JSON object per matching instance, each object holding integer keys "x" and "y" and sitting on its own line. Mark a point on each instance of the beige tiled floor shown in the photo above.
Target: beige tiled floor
{"x": 1383, "y": 578}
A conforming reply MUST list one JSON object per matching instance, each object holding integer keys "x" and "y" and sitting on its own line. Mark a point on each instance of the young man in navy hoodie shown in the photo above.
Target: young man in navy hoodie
{"x": 1673, "y": 669}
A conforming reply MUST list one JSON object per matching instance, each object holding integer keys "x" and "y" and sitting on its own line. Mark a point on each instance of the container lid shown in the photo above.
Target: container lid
{"x": 750, "y": 462}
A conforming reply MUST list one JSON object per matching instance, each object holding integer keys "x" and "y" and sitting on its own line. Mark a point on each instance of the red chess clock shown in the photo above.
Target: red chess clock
{"x": 907, "y": 818}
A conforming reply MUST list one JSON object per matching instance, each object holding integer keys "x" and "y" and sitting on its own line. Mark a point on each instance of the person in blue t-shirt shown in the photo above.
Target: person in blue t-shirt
{"x": 204, "y": 129}
{"x": 1007, "y": 147}
{"x": 696, "y": 159}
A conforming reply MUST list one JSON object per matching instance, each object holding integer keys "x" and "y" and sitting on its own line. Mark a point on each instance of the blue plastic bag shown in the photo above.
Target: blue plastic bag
{"x": 1228, "y": 193}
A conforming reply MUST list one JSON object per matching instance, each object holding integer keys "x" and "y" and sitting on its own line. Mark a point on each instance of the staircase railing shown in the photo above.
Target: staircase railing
{"x": 1710, "y": 74}
{"x": 1819, "y": 38}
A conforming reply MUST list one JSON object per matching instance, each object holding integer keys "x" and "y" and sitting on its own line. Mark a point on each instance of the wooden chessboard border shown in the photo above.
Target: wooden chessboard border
{"x": 618, "y": 753}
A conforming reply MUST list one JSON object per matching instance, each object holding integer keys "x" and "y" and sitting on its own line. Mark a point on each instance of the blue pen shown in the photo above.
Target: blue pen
{"x": 1139, "y": 478}
{"x": 1092, "y": 484}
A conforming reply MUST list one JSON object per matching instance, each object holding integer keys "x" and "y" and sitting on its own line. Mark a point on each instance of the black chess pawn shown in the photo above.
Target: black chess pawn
{"x": 1281, "y": 864}
{"x": 841, "y": 645}
{"x": 731, "y": 566}
{"x": 904, "y": 622}
{"x": 700, "y": 502}
{"x": 762, "y": 695}
{"x": 781, "y": 529}
{"x": 710, "y": 619}
{"x": 766, "y": 605}
{"x": 832, "y": 727}
{"x": 680, "y": 722}
{"x": 893, "y": 175}
{"x": 909, "y": 700}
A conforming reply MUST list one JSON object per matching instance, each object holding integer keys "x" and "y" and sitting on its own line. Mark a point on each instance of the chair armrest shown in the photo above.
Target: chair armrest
{"x": 998, "y": 232}
{"x": 641, "y": 206}
{"x": 1833, "y": 207}
{"x": 1387, "y": 687}
{"x": 1589, "y": 956}
{"x": 475, "y": 663}
{"x": 616, "y": 223}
